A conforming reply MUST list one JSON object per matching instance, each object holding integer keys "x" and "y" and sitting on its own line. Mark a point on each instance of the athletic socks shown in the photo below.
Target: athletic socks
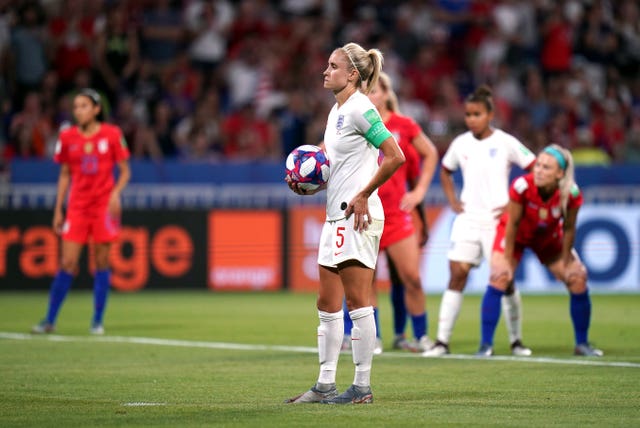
{"x": 512, "y": 308}
{"x": 490, "y": 314}
{"x": 101, "y": 284}
{"x": 348, "y": 324}
{"x": 580, "y": 308}
{"x": 363, "y": 340}
{"x": 330, "y": 333}
{"x": 420, "y": 325}
{"x": 59, "y": 288}
{"x": 449, "y": 311}
{"x": 399, "y": 308}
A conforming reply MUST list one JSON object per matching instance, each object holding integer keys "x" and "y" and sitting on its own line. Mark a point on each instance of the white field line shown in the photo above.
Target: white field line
{"x": 578, "y": 361}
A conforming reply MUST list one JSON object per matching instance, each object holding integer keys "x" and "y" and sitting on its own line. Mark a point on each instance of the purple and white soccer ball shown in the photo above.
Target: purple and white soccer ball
{"x": 308, "y": 166}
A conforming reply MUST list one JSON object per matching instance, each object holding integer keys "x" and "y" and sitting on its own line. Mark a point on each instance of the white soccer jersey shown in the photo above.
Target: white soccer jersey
{"x": 485, "y": 166}
{"x": 353, "y": 159}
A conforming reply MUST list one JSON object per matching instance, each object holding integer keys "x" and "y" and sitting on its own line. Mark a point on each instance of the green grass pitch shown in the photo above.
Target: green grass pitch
{"x": 197, "y": 359}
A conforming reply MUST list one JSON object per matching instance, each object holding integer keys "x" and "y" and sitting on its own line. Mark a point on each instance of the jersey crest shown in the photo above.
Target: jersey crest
{"x": 103, "y": 145}
{"x": 339, "y": 123}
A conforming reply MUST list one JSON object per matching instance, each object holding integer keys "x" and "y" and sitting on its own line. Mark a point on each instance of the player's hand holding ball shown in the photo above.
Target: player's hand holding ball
{"x": 307, "y": 170}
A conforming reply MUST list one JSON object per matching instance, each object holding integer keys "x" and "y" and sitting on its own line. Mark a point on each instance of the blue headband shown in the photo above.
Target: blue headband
{"x": 556, "y": 154}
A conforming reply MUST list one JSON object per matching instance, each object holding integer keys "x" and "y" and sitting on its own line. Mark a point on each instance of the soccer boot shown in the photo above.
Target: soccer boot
{"x": 353, "y": 395}
{"x": 519, "y": 350}
{"x": 437, "y": 350}
{"x": 586, "y": 350}
{"x": 377, "y": 350}
{"x": 420, "y": 345}
{"x": 400, "y": 342}
{"x": 43, "y": 327}
{"x": 96, "y": 329}
{"x": 485, "y": 350}
{"x": 314, "y": 395}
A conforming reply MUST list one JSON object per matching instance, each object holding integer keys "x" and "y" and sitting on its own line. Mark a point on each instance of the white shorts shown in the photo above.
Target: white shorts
{"x": 339, "y": 242}
{"x": 471, "y": 240}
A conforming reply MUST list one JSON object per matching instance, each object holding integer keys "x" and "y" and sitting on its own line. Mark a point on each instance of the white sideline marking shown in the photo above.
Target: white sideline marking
{"x": 578, "y": 361}
{"x": 142, "y": 404}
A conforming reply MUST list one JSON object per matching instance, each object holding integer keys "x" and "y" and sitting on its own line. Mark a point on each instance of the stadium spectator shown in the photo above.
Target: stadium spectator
{"x": 350, "y": 237}
{"x": 117, "y": 52}
{"x": 208, "y": 24}
{"x": 28, "y": 62}
{"x": 87, "y": 153}
{"x": 155, "y": 140}
{"x": 162, "y": 33}
{"x": 246, "y": 136}
{"x": 31, "y": 129}
{"x": 72, "y": 35}
{"x": 484, "y": 155}
{"x": 541, "y": 215}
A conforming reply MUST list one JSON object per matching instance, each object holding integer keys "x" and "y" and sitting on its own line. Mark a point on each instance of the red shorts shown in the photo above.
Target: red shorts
{"x": 397, "y": 226}
{"x": 547, "y": 248}
{"x": 99, "y": 227}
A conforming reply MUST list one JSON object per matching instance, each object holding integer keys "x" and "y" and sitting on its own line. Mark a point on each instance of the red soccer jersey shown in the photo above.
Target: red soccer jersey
{"x": 404, "y": 129}
{"x": 91, "y": 161}
{"x": 541, "y": 219}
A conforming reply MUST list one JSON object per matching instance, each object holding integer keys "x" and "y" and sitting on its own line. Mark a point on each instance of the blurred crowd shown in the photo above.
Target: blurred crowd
{"x": 204, "y": 80}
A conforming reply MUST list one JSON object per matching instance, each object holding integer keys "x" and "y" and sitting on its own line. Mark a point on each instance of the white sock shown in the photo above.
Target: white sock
{"x": 512, "y": 309}
{"x": 449, "y": 311}
{"x": 363, "y": 341}
{"x": 330, "y": 332}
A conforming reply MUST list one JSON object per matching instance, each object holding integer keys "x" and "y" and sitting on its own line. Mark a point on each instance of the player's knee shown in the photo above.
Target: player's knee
{"x": 576, "y": 278}
{"x": 69, "y": 265}
{"x": 458, "y": 279}
{"x": 499, "y": 278}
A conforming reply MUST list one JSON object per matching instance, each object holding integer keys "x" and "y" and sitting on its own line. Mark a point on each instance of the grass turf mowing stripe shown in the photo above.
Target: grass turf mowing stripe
{"x": 304, "y": 349}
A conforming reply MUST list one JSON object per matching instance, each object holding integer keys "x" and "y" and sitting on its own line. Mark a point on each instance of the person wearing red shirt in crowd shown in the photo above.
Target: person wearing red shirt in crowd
{"x": 541, "y": 215}
{"x": 88, "y": 153}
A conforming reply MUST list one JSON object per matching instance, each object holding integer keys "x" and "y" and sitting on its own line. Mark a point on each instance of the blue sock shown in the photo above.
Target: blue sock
{"x": 348, "y": 324}
{"x": 399, "y": 308}
{"x": 580, "y": 308}
{"x": 420, "y": 325}
{"x": 59, "y": 288}
{"x": 101, "y": 283}
{"x": 377, "y": 321}
{"x": 490, "y": 313}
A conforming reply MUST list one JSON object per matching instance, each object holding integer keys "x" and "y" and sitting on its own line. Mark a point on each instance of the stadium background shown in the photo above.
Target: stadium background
{"x": 221, "y": 91}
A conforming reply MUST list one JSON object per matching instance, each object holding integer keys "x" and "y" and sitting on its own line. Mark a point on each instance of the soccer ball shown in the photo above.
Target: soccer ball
{"x": 308, "y": 166}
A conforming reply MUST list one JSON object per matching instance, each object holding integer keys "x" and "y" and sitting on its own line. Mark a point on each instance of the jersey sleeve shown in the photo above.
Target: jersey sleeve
{"x": 60, "y": 151}
{"x": 520, "y": 154}
{"x": 450, "y": 159}
{"x": 518, "y": 189}
{"x": 575, "y": 197}
{"x": 371, "y": 126}
{"x": 121, "y": 149}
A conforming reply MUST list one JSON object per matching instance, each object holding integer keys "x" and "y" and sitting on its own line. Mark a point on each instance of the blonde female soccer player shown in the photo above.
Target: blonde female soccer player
{"x": 541, "y": 215}
{"x": 350, "y": 238}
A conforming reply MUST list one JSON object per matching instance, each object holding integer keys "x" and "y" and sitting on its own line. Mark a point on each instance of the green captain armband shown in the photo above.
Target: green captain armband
{"x": 378, "y": 132}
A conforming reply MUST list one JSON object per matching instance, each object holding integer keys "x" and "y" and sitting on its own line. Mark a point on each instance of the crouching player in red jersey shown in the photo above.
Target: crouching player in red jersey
{"x": 541, "y": 215}
{"x": 87, "y": 153}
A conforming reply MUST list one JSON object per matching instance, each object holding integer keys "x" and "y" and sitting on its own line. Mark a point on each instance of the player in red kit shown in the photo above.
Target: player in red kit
{"x": 87, "y": 154}
{"x": 541, "y": 215}
{"x": 399, "y": 238}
